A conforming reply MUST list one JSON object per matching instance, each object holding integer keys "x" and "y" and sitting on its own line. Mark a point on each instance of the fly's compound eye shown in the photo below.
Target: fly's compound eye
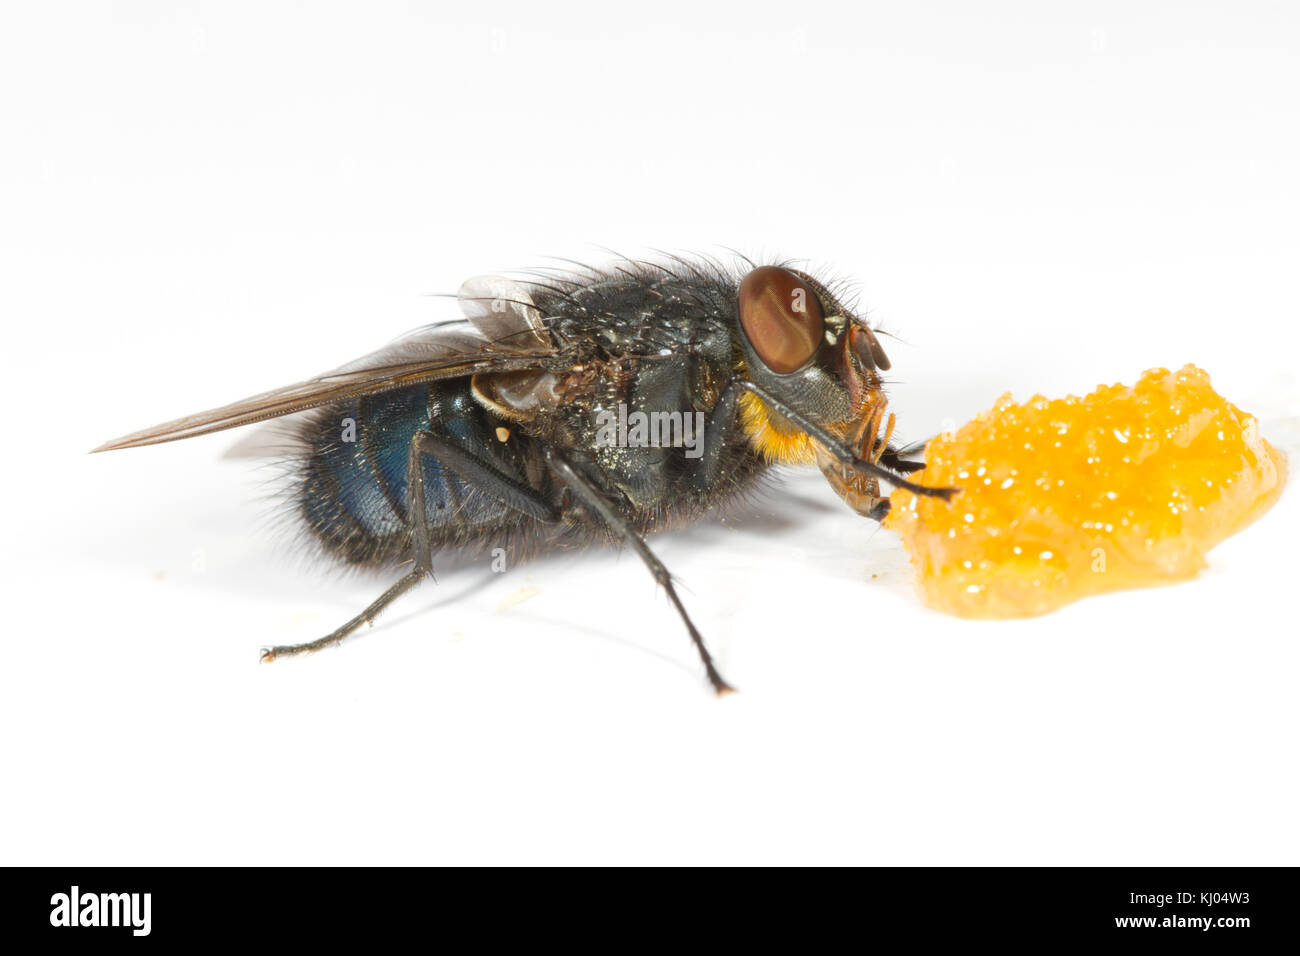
{"x": 781, "y": 318}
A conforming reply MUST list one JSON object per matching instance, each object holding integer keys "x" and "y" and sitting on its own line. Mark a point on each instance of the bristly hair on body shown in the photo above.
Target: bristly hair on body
{"x": 580, "y": 300}
{"x": 493, "y": 432}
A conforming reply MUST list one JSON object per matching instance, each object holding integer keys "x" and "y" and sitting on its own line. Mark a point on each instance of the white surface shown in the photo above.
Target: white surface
{"x": 201, "y": 205}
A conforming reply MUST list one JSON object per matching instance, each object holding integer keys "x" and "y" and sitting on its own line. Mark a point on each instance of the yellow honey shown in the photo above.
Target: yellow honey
{"x": 1062, "y": 498}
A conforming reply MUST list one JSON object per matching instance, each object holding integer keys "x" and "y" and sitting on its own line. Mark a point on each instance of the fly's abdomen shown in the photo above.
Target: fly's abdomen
{"x": 352, "y": 489}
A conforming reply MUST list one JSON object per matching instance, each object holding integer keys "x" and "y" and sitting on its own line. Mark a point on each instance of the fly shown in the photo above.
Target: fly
{"x": 568, "y": 408}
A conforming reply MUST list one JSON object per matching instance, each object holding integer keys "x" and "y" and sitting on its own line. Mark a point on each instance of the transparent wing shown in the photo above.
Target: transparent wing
{"x": 274, "y": 439}
{"x": 502, "y": 311}
{"x": 430, "y": 353}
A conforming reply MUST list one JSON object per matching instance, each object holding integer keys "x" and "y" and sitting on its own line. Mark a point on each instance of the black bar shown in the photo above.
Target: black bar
{"x": 1230, "y": 907}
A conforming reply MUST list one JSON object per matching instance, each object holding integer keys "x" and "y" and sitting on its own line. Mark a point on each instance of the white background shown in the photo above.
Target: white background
{"x": 201, "y": 202}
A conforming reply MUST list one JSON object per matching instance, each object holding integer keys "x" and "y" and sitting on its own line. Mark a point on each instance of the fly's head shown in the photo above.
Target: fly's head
{"x": 805, "y": 349}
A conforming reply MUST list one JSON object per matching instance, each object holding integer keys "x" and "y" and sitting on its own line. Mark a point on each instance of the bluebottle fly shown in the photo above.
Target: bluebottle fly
{"x": 496, "y": 429}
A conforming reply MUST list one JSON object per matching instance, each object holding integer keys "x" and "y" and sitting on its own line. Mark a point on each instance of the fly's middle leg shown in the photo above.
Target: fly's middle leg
{"x": 591, "y": 498}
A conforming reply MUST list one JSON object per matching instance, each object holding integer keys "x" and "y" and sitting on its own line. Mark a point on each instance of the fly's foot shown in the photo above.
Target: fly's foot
{"x": 270, "y": 654}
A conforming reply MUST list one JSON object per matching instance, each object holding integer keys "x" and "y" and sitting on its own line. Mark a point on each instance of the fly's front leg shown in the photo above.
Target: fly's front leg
{"x": 897, "y": 459}
{"x": 476, "y": 470}
{"x": 718, "y": 426}
{"x": 721, "y": 421}
{"x": 842, "y": 452}
{"x": 594, "y": 501}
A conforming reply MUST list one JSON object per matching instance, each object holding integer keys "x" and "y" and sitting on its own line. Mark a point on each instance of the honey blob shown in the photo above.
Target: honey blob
{"x": 1063, "y": 498}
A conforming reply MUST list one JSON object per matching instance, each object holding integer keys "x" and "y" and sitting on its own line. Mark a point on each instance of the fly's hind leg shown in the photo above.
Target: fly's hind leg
{"x": 474, "y": 469}
{"x": 408, "y": 581}
{"x": 592, "y": 499}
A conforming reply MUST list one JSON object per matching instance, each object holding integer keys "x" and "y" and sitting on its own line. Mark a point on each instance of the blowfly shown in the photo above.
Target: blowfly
{"x": 571, "y": 407}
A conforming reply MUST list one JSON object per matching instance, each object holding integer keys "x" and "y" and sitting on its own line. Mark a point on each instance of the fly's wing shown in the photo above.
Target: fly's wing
{"x": 274, "y": 439}
{"x": 510, "y": 340}
{"x": 503, "y": 312}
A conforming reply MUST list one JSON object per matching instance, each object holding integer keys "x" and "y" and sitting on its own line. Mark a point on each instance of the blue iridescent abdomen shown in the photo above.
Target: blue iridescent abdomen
{"x": 352, "y": 488}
